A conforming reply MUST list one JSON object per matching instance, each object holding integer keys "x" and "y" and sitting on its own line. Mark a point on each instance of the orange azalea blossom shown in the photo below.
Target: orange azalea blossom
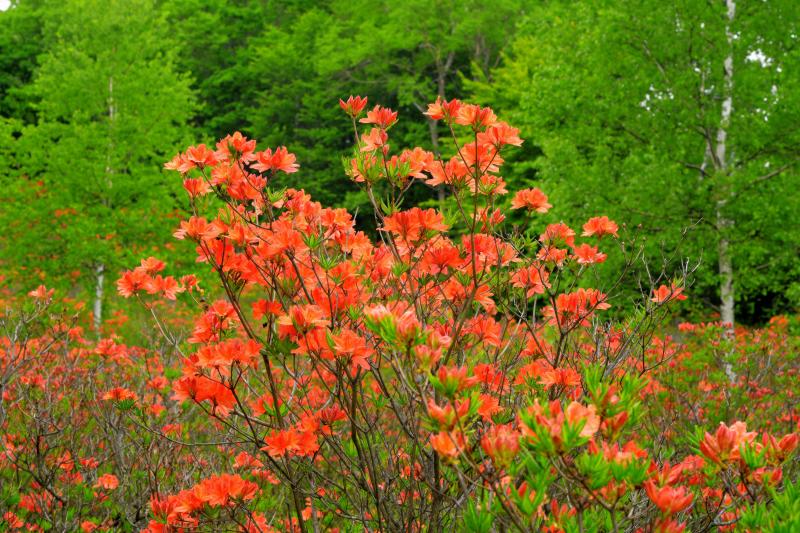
{"x": 475, "y": 116}
{"x": 560, "y": 377}
{"x": 501, "y": 443}
{"x": 380, "y": 116}
{"x": 480, "y": 159}
{"x": 575, "y": 308}
{"x": 533, "y": 199}
{"x": 236, "y": 146}
{"x": 196, "y": 187}
{"x": 131, "y": 282}
{"x": 588, "y": 255}
{"x": 166, "y": 286}
{"x": 374, "y": 140}
{"x": 442, "y": 109}
{"x": 667, "y": 525}
{"x": 200, "y": 389}
{"x": 348, "y": 343}
{"x": 119, "y": 394}
{"x": 447, "y": 416}
{"x": 13, "y": 521}
{"x": 300, "y": 319}
{"x": 599, "y": 226}
{"x": 201, "y": 156}
{"x": 500, "y": 134}
{"x": 353, "y": 106}
{"x": 41, "y": 293}
{"x": 224, "y": 490}
{"x": 107, "y": 482}
{"x": 455, "y": 379}
{"x": 553, "y": 419}
{"x": 449, "y": 444}
{"x": 725, "y": 444}
{"x": 292, "y": 442}
{"x": 779, "y": 451}
{"x": 534, "y": 279}
{"x": 665, "y": 294}
{"x": 281, "y": 160}
{"x": 557, "y": 235}
{"x": 222, "y": 355}
{"x": 414, "y": 224}
{"x": 670, "y": 500}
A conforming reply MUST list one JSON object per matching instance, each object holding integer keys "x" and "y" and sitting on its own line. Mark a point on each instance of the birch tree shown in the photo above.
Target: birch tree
{"x": 109, "y": 103}
{"x": 681, "y": 117}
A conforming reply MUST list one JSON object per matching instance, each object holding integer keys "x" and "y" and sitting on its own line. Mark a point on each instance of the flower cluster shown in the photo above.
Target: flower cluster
{"x": 455, "y": 367}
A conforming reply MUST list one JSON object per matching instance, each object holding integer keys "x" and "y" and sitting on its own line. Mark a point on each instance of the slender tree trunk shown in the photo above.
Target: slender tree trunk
{"x": 100, "y": 276}
{"x": 100, "y": 269}
{"x": 722, "y": 161}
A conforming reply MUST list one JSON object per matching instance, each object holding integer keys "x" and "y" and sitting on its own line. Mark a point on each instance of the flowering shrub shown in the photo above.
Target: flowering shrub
{"x": 458, "y": 371}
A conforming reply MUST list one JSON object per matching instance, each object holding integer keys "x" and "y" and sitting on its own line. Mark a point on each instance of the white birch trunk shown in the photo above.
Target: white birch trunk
{"x": 100, "y": 269}
{"x": 723, "y": 222}
{"x": 100, "y": 277}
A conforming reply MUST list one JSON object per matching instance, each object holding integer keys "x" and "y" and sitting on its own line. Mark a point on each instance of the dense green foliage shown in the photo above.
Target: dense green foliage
{"x": 620, "y": 102}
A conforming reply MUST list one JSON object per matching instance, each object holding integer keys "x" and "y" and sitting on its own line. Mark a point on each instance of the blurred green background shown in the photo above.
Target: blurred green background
{"x": 623, "y": 106}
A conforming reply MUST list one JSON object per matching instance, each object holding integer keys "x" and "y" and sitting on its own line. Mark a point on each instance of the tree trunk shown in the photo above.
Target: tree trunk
{"x": 100, "y": 276}
{"x": 723, "y": 222}
{"x": 100, "y": 269}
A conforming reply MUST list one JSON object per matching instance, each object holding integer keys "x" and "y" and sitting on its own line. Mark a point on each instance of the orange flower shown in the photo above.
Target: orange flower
{"x": 475, "y": 116}
{"x": 167, "y": 286}
{"x": 222, "y": 490}
{"x": 599, "y": 226}
{"x": 449, "y": 444}
{"x": 533, "y": 199}
{"x": 557, "y": 235}
{"x": 553, "y": 419}
{"x": 107, "y": 482}
{"x": 446, "y": 416}
{"x": 380, "y": 116}
{"x": 300, "y": 319}
{"x": 196, "y": 187}
{"x": 665, "y": 294}
{"x": 41, "y": 293}
{"x": 200, "y": 389}
{"x": 119, "y": 394}
{"x": 375, "y": 139}
{"x": 500, "y": 134}
{"x": 443, "y": 109}
{"x": 575, "y": 308}
{"x": 236, "y": 146}
{"x": 292, "y": 442}
{"x": 577, "y": 413}
{"x": 412, "y": 225}
{"x": 281, "y": 160}
{"x": 670, "y": 500}
{"x": 13, "y": 521}
{"x": 501, "y": 443}
{"x": 588, "y": 255}
{"x": 725, "y": 443}
{"x": 562, "y": 377}
{"x": 131, "y": 282}
{"x": 455, "y": 379}
{"x": 201, "y": 156}
{"x": 354, "y": 105}
{"x": 350, "y": 344}
{"x": 533, "y": 278}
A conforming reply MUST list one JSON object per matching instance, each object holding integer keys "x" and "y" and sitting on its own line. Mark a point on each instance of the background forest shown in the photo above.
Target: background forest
{"x": 680, "y": 118}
